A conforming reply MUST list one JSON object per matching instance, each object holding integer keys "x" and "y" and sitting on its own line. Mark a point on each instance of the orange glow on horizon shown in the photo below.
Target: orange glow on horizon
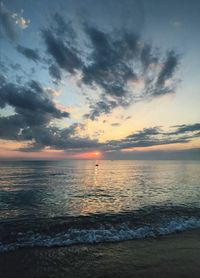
{"x": 49, "y": 154}
{"x": 87, "y": 155}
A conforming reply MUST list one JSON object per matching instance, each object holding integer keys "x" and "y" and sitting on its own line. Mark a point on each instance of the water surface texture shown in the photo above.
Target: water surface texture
{"x": 64, "y": 202}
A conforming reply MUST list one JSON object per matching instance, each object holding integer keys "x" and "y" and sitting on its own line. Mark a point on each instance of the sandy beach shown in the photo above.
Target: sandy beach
{"x": 170, "y": 256}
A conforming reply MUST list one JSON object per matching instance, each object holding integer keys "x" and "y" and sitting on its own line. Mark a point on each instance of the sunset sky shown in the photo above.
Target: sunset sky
{"x": 100, "y": 79}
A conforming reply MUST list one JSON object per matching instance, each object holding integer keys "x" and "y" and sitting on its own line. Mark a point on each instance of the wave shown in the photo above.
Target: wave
{"x": 64, "y": 231}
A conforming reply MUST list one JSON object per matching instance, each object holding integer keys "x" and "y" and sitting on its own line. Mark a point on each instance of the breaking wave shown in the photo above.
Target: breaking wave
{"x": 151, "y": 221}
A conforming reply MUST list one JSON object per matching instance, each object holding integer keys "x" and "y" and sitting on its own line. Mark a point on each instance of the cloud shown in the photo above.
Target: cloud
{"x": 113, "y": 64}
{"x": 34, "y": 111}
{"x": 21, "y": 21}
{"x": 33, "y": 108}
{"x": 55, "y": 138}
{"x": 29, "y": 53}
{"x": 155, "y": 136}
{"x": 65, "y": 56}
{"x": 68, "y": 139}
{"x": 32, "y": 102}
{"x": 62, "y": 28}
{"x": 10, "y": 127}
{"x": 55, "y": 72}
{"x": 166, "y": 73}
{"x": 101, "y": 107}
{"x": 11, "y": 22}
{"x": 109, "y": 58}
{"x": 186, "y": 128}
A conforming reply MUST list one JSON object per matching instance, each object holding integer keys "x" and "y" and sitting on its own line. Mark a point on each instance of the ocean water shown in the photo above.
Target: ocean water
{"x": 58, "y": 203}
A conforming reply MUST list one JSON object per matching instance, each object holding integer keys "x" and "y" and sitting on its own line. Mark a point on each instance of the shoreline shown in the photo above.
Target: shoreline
{"x": 175, "y": 255}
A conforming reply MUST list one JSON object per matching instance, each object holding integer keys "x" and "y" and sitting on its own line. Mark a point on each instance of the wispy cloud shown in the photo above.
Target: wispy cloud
{"x": 112, "y": 63}
{"x": 156, "y": 136}
{"x": 29, "y": 53}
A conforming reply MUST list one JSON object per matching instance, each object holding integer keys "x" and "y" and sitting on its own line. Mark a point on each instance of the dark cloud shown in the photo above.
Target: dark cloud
{"x": 34, "y": 111}
{"x": 68, "y": 139}
{"x": 166, "y": 73}
{"x": 101, "y": 107}
{"x": 168, "y": 68}
{"x": 29, "y": 53}
{"x": 10, "y": 127}
{"x": 66, "y": 56}
{"x": 114, "y": 62}
{"x": 109, "y": 58}
{"x": 63, "y": 28}
{"x": 153, "y": 137}
{"x": 147, "y": 57}
{"x": 186, "y": 128}
{"x": 33, "y": 108}
{"x": 55, "y": 72}
{"x": 32, "y": 102}
{"x": 119, "y": 62}
{"x": 111, "y": 62}
{"x": 109, "y": 69}
{"x": 65, "y": 139}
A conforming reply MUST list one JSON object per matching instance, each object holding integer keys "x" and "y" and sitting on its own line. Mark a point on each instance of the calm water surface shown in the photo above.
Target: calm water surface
{"x": 60, "y": 188}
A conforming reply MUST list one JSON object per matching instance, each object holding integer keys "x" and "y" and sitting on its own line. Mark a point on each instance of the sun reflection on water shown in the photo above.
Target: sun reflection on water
{"x": 82, "y": 188}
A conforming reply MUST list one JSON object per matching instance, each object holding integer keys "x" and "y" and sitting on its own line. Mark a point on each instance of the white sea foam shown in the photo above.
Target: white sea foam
{"x": 103, "y": 234}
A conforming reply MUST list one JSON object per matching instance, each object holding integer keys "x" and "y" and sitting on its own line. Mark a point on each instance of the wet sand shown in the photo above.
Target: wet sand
{"x": 170, "y": 256}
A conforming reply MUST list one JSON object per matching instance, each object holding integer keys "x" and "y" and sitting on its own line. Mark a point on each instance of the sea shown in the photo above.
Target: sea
{"x": 66, "y": 202}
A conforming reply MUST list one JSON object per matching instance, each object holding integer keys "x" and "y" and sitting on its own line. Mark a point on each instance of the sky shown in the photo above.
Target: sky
{"x": 93, "y": 79}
